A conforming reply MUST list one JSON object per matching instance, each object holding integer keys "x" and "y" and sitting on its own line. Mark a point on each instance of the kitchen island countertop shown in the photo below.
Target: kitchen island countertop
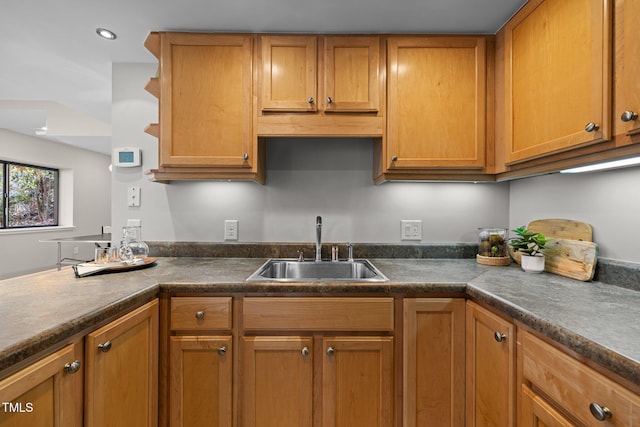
{"x": 596, "y": 320}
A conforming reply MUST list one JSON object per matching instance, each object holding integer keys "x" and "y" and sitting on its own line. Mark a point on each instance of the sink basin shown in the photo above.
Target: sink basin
{"x": 292, "y": 270}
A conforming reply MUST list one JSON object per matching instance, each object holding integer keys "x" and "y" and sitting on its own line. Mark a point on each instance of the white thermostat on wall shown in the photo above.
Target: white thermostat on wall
{"x": 126, "y": 157}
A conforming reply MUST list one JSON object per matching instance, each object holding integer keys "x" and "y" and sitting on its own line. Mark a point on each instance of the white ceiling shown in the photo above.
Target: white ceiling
{"x": 55, "y": 70}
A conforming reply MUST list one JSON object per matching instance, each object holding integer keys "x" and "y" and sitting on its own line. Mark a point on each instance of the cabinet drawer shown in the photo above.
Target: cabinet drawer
{"x": 574, "y": 386}
{"x": 326, "y": 314}
{"x": 200, "y": 313}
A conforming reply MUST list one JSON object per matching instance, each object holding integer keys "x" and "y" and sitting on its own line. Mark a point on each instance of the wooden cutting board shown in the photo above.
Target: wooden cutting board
{"x": 563, "y": 229}
{"x": 571, "y": 252}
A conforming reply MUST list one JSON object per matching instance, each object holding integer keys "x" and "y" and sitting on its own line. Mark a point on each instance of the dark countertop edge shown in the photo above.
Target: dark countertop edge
{"x": 602, "y": 356}
{"x": 61, "y": 333}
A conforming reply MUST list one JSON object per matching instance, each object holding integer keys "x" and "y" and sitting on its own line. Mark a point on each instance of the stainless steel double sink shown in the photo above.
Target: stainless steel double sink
{"x": 292, "y": 270}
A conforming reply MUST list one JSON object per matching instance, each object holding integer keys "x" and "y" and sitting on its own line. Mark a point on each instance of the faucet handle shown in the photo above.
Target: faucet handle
{"x": 300, "y": 256}
{"x": 350, "y": 251}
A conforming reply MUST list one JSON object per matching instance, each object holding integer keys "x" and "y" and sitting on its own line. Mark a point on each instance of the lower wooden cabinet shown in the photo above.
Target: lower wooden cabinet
{"x": 121, "y": 371}
{"x": 558, "y": 390}
{"x": 536, "y": 412}
{"x": 433, "y": 368}
{"x": 354, "y": 375}
{"x": 357, "y": 381}
{"x": 46, "y": 393}
{"x": 317, "y": 361}
{"x": 201, "y": 381}
{"x": 277, "y": 381}
{"x": 491, "y": 369}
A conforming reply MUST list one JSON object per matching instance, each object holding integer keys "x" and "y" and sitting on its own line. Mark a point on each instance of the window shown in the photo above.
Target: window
{"x": 29, "y": 196}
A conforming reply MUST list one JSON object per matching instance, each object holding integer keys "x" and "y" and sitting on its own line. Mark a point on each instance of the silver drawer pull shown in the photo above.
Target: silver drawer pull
{"x": 200, "y": 315}
{"x": 222, "y": 350}
{"x": 104, "y": 347}
{"x": 500, "y": 337}
{"x": 600, "y": 413}
{"x": 72, "y": 367}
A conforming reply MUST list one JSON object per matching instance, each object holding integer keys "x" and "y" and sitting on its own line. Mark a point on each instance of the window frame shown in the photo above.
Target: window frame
{"x": 4, "y": 189}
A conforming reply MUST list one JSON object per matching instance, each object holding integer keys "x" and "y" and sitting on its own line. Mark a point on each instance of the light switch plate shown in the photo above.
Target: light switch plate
{"x": 411, "y": 229}
{"x": 230, "y": 229}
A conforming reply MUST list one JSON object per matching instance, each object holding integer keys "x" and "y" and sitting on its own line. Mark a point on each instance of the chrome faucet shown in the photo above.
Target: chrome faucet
{"x": 318, "y": 238}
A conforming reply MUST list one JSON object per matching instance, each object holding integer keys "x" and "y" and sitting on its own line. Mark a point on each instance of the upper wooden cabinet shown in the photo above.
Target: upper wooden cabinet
{"x": 436, "y": 103}
{"x": 320, "y": 86}
{"x": 351, "y": 74}
{"x": 557, "y": 77}
{"x": 206, "y": 111}
{"x": 343, "y": 79}
{"x": 289, "y": 73}
{"x": 626, "y": 71}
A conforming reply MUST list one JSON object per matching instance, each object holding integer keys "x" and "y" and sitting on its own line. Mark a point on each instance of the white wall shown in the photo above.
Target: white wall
{"x": 305, "y": 178}
{"x": 608, "y": 200}
{"x": 85, "y": 181}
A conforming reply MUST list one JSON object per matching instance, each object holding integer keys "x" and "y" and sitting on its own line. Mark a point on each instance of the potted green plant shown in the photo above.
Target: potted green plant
{"x": 530, "y": 246}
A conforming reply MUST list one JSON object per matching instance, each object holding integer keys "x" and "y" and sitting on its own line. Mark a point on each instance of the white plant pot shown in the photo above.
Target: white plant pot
{"x": 532, "y": 264}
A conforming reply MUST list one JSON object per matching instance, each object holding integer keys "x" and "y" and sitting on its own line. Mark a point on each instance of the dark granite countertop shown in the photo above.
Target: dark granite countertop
{"x": 595, "y": 319}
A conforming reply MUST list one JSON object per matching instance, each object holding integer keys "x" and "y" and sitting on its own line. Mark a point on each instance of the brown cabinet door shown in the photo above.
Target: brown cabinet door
{"x": 121, "y": 386}
{"x": 557, "y": 77}
{"x": 536, "y": 412}
{"x": 434, "y": 361}
{"x": 206, "y": 100}
{"x": 201, "y": 381}
{"x": 357, "y": 381}
{"x": 436, "y": 103}
{"x": 491, "y": 343}
{"x": 277, "y": 381}
{"x": 627, "y": 67}
{"x": 45, "y": 393}
{"x": 289, "y": 73}
{"x": 351, "y": 74}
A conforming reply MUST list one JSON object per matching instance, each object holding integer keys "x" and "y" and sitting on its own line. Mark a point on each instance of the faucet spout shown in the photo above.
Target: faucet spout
{"x": 318, "y": 238}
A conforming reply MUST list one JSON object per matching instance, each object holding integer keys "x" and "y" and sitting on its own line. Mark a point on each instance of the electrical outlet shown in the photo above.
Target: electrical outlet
{"x": 133, "y": 196}
{"x": 230, "y": 229}
{"x": 411, "y": 229}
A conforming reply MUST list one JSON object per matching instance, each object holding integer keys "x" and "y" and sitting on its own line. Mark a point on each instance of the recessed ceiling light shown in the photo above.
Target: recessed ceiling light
{"x": 107, "y": 34}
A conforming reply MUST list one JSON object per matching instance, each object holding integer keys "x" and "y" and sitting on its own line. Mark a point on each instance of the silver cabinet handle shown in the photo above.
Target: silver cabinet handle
{"x": 305, "y": 351}
{"x": 330, "y": 351}
{"x": 600, "y": 413}
{"x": 500, "y": 337}
{"x": 72, "y": 367}
{"x": 590, "y": 127}
{"x": 394, "y": 158}
{"x": 104, "y": 347}
{"x": 329, "y": 100}
{"x": 310, "y": 100}
{"x": 199, "y": 315}
{"x": 245, "y": 156}
{"x": 222, "y": 350}
{"x": 628, "y": 116}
